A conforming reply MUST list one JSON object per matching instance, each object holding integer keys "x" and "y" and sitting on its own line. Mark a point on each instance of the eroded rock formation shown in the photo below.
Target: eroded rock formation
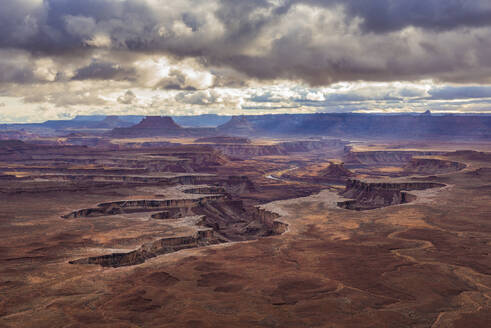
{"x": 432, "y": 166}
{"x": 336, "y": 172}
{"x": 371, "y": 195}
{"x": 135, "y": 206}
{"x": 383, "y": 157}
{"x": 226, "y": 220}
{"x": 244, "y": 151}
{"x": 159, "y": 247}
{"x": 151, "y": 126}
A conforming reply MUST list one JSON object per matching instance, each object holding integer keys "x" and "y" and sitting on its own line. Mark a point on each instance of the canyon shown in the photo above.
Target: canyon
{"x": 371, "y": 195}
{"x": 163, "y": 225}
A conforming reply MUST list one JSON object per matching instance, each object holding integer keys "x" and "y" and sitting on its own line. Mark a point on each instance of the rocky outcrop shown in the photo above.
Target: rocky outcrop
{"x": 136, "y": 206}
{"x": 371, "y": 195}
{"x": 151, "y": 126}
{"x": 269, "y": 219}
{"x": 159, "y": 247}
{"x": 383, "y": 157}
{"x": 432, "y": 166}
{"x": 244, "y": 151}
{"x": 236, "y": 221}
{"x": 226, "y": 220}
{"x": 336, "y": 172}
{"x": 232, "y": 184}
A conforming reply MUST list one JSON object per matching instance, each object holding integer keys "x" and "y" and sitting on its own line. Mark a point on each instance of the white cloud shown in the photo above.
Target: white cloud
{"x": 235, "y": 56}
{"x": 128, "y": 98}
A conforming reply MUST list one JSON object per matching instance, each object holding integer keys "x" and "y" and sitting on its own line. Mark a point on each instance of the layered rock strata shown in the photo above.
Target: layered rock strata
{"x": 371, "y": 195}
{"x": 432, "y": 166}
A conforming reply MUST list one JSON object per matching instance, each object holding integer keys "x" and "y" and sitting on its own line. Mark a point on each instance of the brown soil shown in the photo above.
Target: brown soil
{"x": 270, "y": 253}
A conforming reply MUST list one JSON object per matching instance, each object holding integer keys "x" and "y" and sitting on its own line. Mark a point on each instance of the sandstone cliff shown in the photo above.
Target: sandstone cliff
{"x": 371, "y": 195}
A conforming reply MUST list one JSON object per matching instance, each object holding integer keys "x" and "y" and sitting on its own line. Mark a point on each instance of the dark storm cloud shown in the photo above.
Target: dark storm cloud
{"x": 320, "y": 42}
{"x": 15, "y": 74}
{"x": 466, "y": 92}
{"x": 98, "y": 70}
{"x": 60, "y": 26}
{"x": 390, "y": 15}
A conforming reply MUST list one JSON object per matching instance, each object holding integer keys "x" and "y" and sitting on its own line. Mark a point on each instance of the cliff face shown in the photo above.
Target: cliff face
{"x": 151, "y": 126}
{"x": 135, "y": 206}
{"x": 432, "y": 166}
{"x": 366, "y": 195}
{"x": 245, "y": 151}
{"x": 158, "y": 122}
{"x": 225, "y": 220}
{"x": 159, "y": 247}
{"x": 236, "y": 221}
{"x": 386, "y": 157}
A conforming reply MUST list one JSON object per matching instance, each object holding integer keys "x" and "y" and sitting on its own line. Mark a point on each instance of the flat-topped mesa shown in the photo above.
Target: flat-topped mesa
{"x": 371, "y": 195}
{"x": 225, "y": 220}
{"x": 162, "y": 246}
{"x": 432, "y": 166}
{"x": 151, "y": 126}
{"x": 157, "y": 122}
{"x": 384, "y": 157}
{"x": 233, "y": 184}
{"x": 137, "y": 206}
{"x": 244, "y": 151}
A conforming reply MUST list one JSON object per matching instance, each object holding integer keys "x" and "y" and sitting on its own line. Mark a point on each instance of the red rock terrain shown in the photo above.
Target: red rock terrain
{"x": 432, "y": 166}
{"x": 181, "y": 236}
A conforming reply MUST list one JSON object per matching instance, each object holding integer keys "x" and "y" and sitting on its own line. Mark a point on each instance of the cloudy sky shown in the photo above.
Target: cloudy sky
{"x": 61, "y": 58}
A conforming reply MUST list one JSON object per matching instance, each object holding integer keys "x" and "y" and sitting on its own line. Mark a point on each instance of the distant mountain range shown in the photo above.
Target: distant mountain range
{"x": 364, "y": 125}
{"x": 205, "y": 120}
{"x": 410, "y": 126}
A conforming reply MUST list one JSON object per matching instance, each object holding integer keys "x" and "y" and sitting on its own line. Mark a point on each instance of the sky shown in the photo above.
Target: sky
{"x": 62, "y": 58}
